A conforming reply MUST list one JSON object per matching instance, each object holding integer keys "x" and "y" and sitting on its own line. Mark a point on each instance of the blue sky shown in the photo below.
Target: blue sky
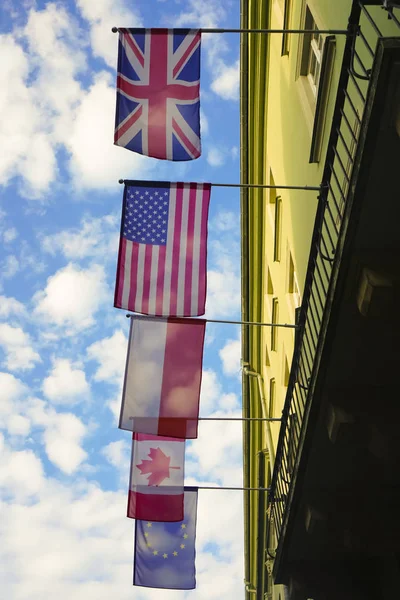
{"x": 64, "y": 464}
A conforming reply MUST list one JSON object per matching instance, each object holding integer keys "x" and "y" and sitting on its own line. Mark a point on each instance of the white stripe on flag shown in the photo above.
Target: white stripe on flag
{"x": 196, "y": 250}
{"x": 140, "y": 278}
{"x": 153, "y": 280}
{"x": 144, "y": 373}
{"x": 180, "y": 304}
{"x": 169, "y": 250}
{"x": 170, "y": 485}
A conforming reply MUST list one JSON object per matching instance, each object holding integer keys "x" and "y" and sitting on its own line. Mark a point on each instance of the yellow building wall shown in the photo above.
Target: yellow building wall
{"x": 279, "y": 125}
{"x": 288, "y": 127}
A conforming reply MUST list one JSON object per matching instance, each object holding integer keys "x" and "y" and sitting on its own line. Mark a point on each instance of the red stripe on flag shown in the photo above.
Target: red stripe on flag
{"x": 203, "y": 251}
{"x": 157, "y": 115}
{"x": 189, "y": 250}
{"x": 180, "y": 391}
{"x": 155, "y": 507}
{"x": 195, "y": 152}
{"x": 176, "y": 250}
{"x": 119, "y": 282}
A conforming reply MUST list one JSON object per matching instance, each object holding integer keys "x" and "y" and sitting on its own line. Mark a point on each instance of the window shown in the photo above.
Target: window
{"x": 292, "y": 284}
{"x": 278, "y": 227}
{"x": 272, "y": 394}
{"x": 270, "y": 287}
{"x": 286, "y": 25}
{"x": 311, "y": 54}
{"x": 286, "y": 373}
{"x": 275, "y": 317}
{"x": 272, "y": 191}
{"x": 275, "y": 203}
{"x": 267, "y": 361}
{"x": 314, "y": 70}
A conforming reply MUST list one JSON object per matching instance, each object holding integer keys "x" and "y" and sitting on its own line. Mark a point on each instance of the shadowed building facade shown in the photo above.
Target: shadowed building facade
{"x": 321, "y": 109}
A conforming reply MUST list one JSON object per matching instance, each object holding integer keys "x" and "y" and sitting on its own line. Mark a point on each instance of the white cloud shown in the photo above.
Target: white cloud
{"x": 34, "y": 115}
{"x": 10, "y": 306}
{"x": 118, "y": 455}
{"x": 72, "y": 297}
{"x": 63, "y": 440}
{"x": 9, "y": 235}
{"x": 22, "y": 472}
{"x": 217, "y": 452}
{"x": 66, "y": 384}
{"x": 110, "y": 353}
{"x": 48, "y": 55}
{"x": 55, "y": 536}
{"x": 229, "y": 402}
{"x": 210, "y": 13}
{"x": 215, "y": 157}
{"x": 10, "y": 267}
{"x": 17, "y": 347}
{"x": 95, "y": 238}
{"x": 95, "y": 162}
{"x": 212, "y": 396}
{"x": 204, "y": 126}
{"x": 63, "y": 435}
{"x": 114, "y": 404}
{"x": 207, "y": 13}
{"x": 226, "y": 83}
{"x": 223, "y": 274}
{"x": 18, "y": 425}
{"x": 230, "y": 356}
{"x": 223, "y": 288}
{"x": 11, "y": 389}
{"x": 225, "y": 221}
{"x": 102, "y": 16}
{"x": 19, "y": 117}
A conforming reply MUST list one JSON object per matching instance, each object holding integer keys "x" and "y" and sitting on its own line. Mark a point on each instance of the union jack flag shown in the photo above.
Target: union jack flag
{"x": 158, "y": 93}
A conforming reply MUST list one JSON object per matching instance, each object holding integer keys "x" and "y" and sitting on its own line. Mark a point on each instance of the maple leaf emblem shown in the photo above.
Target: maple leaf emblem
{"x": 157, "y": 467}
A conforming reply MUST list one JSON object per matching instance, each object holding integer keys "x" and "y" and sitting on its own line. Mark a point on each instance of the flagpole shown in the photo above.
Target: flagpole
{"x": 221, "y": 30}
{"x": 171, "y": 319}
{"x": 307, "y": 188}
{"x": 236, "y": 419}
{"x": 240, "y": 489}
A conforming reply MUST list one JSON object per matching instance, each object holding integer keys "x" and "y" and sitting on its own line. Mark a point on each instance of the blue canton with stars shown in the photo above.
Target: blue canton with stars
{"x": 145, "y": 218}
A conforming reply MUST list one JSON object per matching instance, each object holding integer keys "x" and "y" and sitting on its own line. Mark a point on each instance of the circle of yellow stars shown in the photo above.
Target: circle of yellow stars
{"x": 165, "y": 554}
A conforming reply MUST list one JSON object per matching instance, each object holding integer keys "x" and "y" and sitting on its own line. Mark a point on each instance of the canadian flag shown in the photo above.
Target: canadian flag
{"x": 156, "y": 490}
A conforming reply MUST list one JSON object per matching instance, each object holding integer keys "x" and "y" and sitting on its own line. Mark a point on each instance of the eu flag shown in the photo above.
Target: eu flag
{"x": 165, "y": 552}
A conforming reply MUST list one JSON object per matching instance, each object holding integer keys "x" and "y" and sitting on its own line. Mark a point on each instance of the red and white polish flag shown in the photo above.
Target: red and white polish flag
{"x": 163, "y": 376}
{"x": 156, "y": 490}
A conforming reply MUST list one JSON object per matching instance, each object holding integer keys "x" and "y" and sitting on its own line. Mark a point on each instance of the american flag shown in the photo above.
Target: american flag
{"x": 163, "y": 248}
{"x": 158, "y": 93}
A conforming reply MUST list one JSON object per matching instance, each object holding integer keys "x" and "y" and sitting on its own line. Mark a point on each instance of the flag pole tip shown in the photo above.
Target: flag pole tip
{"x": 114, "y": 29}
{"x": 121, "y": 181}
